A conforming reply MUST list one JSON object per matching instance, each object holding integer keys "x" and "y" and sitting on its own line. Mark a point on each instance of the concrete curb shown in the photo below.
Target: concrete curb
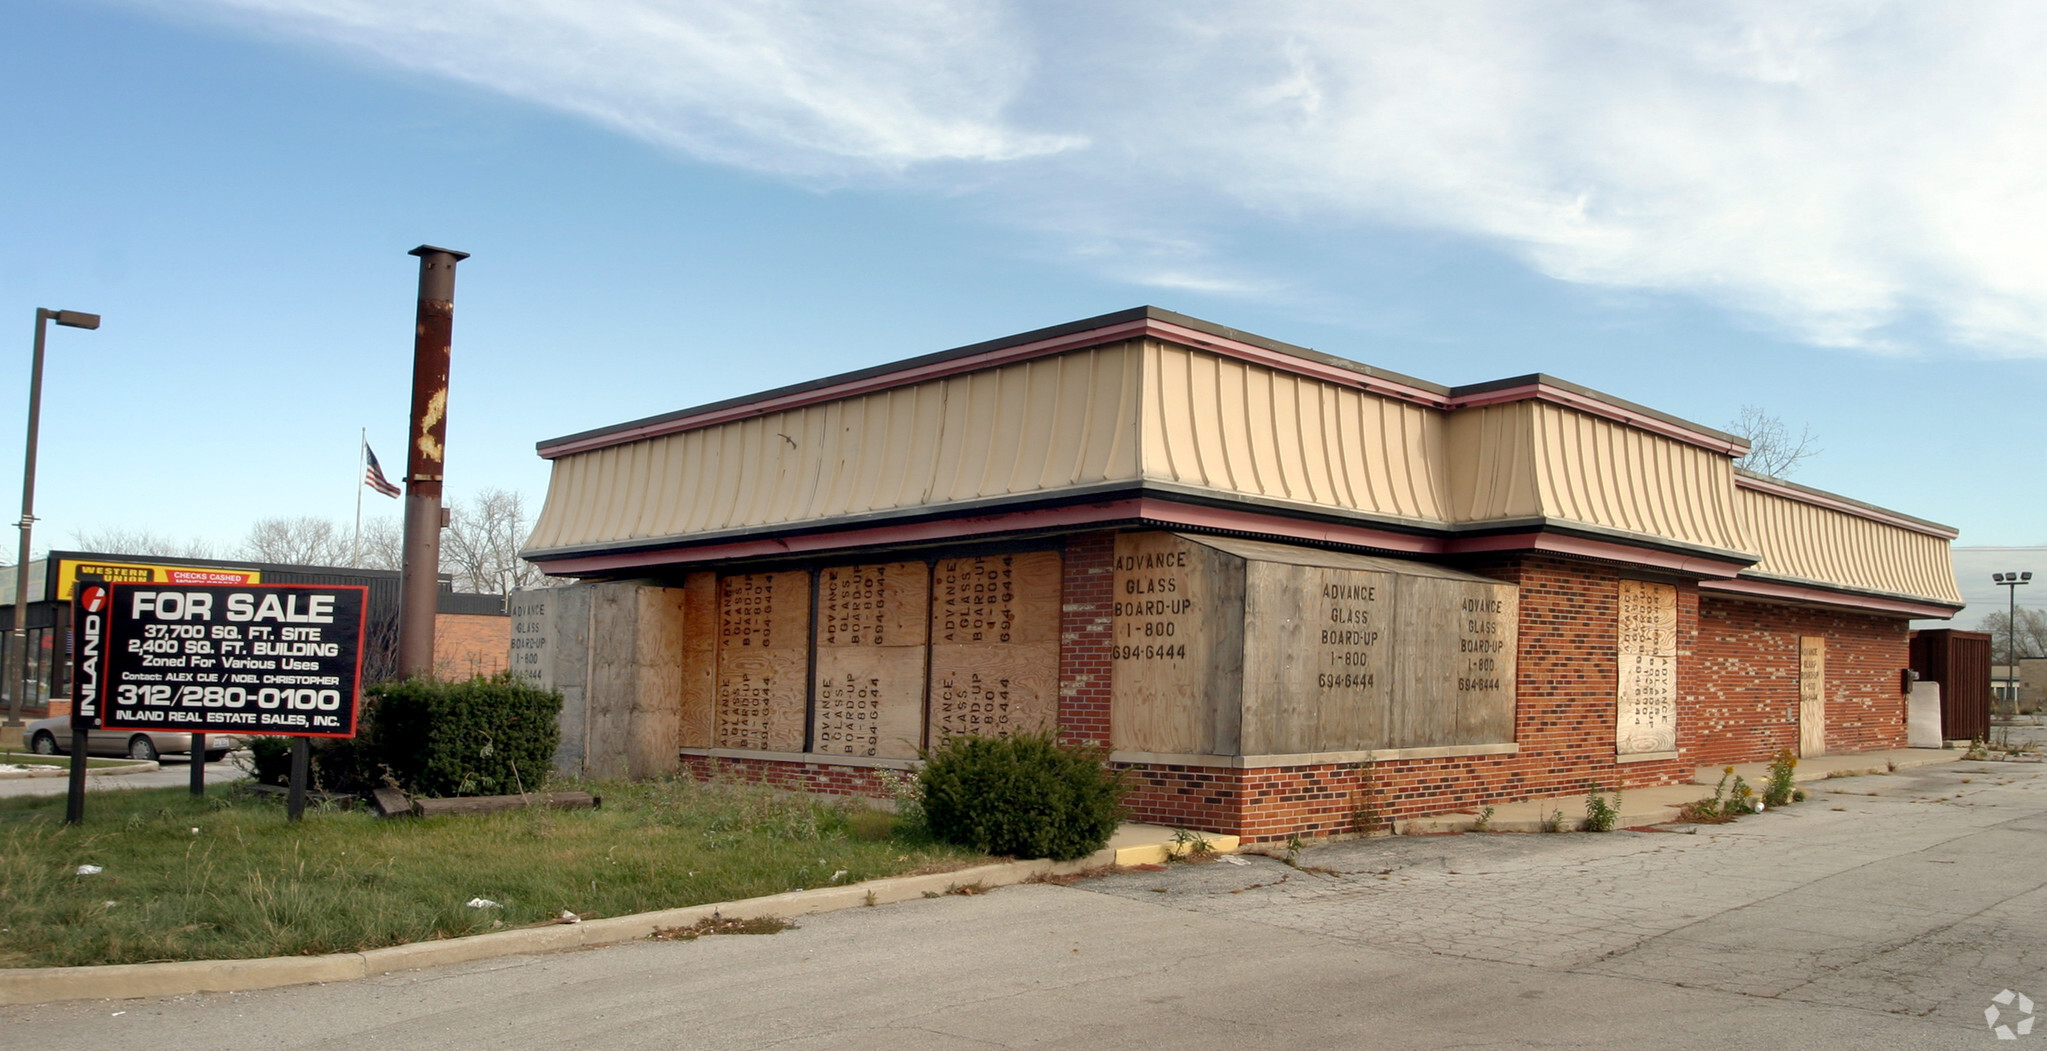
{"x": 127, "y": 981}
{"x": 140, "y": 766}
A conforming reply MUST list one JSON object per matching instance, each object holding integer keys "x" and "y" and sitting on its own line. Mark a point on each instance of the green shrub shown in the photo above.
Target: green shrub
{"x": 1600, "y": 813}
{"x": 1026, "y": 795}
{"x": 1783, "y": 782}
{"x": 485, "y": 736}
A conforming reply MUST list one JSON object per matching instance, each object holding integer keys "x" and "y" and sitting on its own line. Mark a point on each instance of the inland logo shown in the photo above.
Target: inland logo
{"x": 92, "y": 599}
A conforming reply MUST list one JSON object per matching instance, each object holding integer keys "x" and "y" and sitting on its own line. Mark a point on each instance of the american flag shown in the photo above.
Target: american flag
{"x": 374, "y": 477}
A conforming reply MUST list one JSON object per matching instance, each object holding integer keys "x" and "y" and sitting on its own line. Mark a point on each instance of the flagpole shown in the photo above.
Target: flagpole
{"x": 361, "y": 468}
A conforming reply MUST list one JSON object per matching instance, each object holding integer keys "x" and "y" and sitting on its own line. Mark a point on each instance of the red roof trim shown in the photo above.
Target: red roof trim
{"x": 1571, "y": 399}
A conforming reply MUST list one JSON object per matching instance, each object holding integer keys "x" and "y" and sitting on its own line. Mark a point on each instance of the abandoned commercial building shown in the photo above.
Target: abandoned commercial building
{"x": 1272, "y": 582}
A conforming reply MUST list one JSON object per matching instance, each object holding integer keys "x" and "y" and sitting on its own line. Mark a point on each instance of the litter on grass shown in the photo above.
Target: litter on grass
{"x": 90, "y": 870}
{"x": 483, "y": 903}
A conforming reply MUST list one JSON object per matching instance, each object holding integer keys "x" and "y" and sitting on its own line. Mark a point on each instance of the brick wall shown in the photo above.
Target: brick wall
{"x": 1086, "y": 638}
{"x": 1739, "y": 695}
{"x": 820, "y": 778}
{"x": 1737, "y": 702}
{"x": 469, "y": 644}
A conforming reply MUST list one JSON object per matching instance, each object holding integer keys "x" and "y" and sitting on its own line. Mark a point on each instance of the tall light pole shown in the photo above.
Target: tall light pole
{"x": 68, "y": 319}
{"x": 2014, "y": 581}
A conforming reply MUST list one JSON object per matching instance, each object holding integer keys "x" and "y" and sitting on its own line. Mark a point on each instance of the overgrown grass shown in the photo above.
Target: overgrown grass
{"x": 248, "y": 883}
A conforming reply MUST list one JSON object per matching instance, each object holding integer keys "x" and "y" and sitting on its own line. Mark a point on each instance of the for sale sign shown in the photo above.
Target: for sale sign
{"x": 250, "y": 658}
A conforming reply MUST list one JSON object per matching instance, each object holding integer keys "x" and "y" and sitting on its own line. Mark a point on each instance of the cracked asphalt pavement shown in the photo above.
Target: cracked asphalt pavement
{"x": 1885, "y": 911}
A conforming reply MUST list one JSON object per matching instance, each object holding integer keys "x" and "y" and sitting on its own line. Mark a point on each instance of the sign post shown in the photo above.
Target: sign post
{"x": 88, "y": 624}
{"x": 282, "y": 659}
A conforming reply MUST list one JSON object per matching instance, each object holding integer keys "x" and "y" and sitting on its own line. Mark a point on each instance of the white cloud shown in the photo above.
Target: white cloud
{"x": 804, "y": 87}
{"x": 1846, "y": 170}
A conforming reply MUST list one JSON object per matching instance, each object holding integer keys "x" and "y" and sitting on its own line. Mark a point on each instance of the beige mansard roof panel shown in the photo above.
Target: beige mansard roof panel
{"x": 1605, "y": 473}
{"x": 1215, "y": 423}
{"x": 1150, "y": 403}
{"x": 1801, "y": 539}
{"x": 1033, "y": 427}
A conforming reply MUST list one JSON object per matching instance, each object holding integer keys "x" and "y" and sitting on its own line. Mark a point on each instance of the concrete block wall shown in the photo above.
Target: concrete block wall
{"x": 612, "y": 651}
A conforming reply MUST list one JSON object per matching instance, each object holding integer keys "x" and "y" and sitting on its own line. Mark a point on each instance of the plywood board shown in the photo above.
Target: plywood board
{"x": 1178, "y": 660}
{"x": 1486, "y": 645}
{"x": 1317, "y": 658}
{"x": 1645, "y": 716}
{"x": 869, "y": 702}
{"x": 873, "y": 605}
{"x": 1648, "y": 618}
{"x": 1812, "y": 696}
{"x": 654, "y": 727}
{"x": 699, "y": 660}
{"x": 532, "y": 614}
{"x": 869, "y": 693}
{"x": 763, "y": 661}
{"x": 994, "y": 644}
{"x": 996, "y": 599}
{"x": 993, "y": 692}
{"x": 1426, "y": 626}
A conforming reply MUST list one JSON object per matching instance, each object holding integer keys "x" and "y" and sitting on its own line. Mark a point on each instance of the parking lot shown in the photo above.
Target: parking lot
{"x": 1884, "y": 911}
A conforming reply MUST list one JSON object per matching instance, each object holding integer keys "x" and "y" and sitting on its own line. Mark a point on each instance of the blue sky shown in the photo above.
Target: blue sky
{"x": 1832, "y": 211}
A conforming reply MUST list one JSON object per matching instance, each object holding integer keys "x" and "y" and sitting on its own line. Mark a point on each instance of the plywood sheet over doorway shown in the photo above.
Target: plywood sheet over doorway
{"x": 1812, "y": 696}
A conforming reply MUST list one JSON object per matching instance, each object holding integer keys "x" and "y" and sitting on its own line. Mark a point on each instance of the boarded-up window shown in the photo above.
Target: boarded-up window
{"x": 763, "y": 650}
{"x": 994, "y": 644}
{"x": 1228, "y": 646}
{"x": 1646, "y": 718}
{"x": 870, "y": 660}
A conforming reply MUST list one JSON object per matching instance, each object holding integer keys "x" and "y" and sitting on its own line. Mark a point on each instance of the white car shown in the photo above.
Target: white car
{"x": 52, "y": 736}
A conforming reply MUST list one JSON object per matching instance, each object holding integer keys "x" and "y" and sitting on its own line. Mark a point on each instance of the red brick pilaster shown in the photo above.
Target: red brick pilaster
{"x": 1086, "y": 638}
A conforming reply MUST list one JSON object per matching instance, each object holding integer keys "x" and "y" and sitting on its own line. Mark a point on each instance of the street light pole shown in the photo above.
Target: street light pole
{"x": 2012, "y": 581}
{"x": 69, "y": 319}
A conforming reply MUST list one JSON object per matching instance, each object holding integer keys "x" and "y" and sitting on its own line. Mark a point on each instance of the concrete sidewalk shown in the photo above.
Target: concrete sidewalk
{"x": 1660, "y": 804}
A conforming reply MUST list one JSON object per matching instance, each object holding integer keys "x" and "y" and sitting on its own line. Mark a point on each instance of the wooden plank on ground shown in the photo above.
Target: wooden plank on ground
{"x": 495, "y": 804}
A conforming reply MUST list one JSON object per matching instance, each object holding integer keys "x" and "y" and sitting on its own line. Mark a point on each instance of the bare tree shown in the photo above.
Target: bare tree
{"x": 116, "y": 540}
{"x": 2032, "y": 634}
{"x": 300, "y": 540}
{"x": 1771, "y": 448}
{"x": 481, "y": 544}
{"x": 383, "y": 544}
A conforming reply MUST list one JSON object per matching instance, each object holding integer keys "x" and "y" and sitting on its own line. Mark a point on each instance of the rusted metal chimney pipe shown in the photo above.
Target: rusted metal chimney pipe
{"x": 427, "y": 454}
